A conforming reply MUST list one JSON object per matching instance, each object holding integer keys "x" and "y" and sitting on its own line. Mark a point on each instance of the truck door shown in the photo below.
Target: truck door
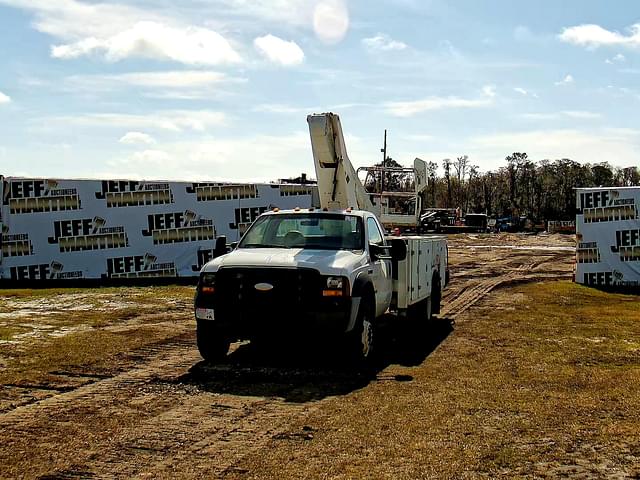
{"x": 380, "y": 270}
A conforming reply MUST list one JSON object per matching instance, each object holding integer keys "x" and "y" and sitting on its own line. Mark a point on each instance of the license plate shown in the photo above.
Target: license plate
{"x": 204, "y": 313}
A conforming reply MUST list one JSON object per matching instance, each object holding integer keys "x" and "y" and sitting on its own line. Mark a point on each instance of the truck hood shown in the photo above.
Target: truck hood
{"x": 328, "y": 262}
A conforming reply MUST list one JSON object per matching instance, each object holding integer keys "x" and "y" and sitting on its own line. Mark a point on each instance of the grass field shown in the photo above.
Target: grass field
{"x": 45, "y": 330}
{"x": 538, "y": 380}
{"x": 535, "y": 380}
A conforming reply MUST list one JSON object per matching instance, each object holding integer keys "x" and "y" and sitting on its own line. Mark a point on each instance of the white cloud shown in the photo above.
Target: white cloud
{"x": 567, "y": 80}
{"x": 132, "y": 138}
{"x": 539, "y": 116}
{"x": 489, "y": 91}
{"x": 618, "y": 58}
{"x": 173, "y": 84}
{"x": 155, "y": 158}
{"x": 170, "y": 79}
{"x": 298, "y": 13}
{"x": 616, "y": 146}
{"x": 331, "y": 21}
{"x": 188, "y": 80}
{"x": 525, "y": 92}
{"x": 279, "y": 108}
{"x": 410, "y": 108}
{"x": 593, "y": 36}
{"x": 260, "y": 157}
{"x": 191, "y": 45}
{"x": 4, "y": 98}
{"x": 244, "y": 158}
{"x": 382, "y": 43}
{"x": 576, "y": 114}
{"x": 170, "y": 120}
{"x": 279, "y": 51}
{"x": 582, "y": 114}
{"x": 74, "y": 20}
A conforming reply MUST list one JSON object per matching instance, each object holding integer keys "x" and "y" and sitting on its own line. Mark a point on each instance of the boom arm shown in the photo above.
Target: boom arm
{"x": 338, "y": 184}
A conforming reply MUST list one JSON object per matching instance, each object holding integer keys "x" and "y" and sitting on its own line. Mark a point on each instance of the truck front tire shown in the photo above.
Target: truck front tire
{"x": 362, "y": 341}
{"x": 213, "y": 343}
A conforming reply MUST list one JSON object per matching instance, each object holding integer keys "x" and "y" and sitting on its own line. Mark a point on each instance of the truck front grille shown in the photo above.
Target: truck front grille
{"x": 278, "y": 289}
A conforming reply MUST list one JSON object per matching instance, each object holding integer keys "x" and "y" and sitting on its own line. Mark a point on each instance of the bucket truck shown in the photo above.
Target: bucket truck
{"x": 327, "y": 271}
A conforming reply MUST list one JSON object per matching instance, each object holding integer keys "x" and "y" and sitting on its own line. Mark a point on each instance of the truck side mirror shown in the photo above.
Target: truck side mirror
{"x": 220, "y": 247}
{"x": 398, "y": 249}
{"x": 378, "y": 251}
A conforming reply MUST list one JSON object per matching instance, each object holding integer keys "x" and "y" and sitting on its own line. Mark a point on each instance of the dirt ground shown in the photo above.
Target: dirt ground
{"x": 519, "y": 377}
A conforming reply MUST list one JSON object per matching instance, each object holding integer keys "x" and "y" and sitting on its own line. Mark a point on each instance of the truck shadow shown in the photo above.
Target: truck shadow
{"x": 301, "y": 372}
{"x": 408, "y": 344}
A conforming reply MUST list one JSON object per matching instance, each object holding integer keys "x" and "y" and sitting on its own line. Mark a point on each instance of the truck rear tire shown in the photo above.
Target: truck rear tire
{"x": 436, "y": 294}
{"x": 213, "y": 343}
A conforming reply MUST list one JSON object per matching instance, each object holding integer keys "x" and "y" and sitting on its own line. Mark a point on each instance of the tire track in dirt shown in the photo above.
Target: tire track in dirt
{"x": 460, "y": 298}
{"x": 145, "y": 422}
{"x": 167, "y": 415}
{"x": 15, "y": 395}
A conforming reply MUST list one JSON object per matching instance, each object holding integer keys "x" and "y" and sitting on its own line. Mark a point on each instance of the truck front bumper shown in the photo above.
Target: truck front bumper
{"x": 325, "y": 317}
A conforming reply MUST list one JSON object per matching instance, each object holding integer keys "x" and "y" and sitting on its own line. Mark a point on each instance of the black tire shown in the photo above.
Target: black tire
{"x": 362, "y": 344}
{"x": 213, "y": 344}
{"x": 436, "y": 293}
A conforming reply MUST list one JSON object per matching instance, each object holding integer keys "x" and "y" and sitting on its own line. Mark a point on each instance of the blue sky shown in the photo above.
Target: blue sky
{"x": 220, "y": 89}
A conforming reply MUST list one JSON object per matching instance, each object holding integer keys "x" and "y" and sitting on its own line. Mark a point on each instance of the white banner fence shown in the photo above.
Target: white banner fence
{"x": 55, "y": 229}
{"x": 608, "y": 237}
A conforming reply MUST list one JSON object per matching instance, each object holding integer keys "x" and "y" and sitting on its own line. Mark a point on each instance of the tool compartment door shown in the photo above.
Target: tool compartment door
{"x": 426, "y": 262}
{"x": 422, "y": 253}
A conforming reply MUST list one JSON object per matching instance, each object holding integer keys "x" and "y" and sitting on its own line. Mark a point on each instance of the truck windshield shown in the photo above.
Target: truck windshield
{"x": 301, "y": 230}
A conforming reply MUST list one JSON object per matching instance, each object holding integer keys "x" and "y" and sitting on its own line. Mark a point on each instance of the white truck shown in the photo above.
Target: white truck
{"x": 327, "y": 271}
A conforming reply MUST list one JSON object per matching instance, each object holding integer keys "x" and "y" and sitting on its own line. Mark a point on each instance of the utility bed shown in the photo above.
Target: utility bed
{"x": 414, "y": 276}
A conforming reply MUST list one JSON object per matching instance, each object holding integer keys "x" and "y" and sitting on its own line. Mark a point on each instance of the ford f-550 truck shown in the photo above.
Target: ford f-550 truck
{"x": 329, "y": 271}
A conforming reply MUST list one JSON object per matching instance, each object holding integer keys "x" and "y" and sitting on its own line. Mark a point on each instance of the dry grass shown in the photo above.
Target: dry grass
{"x": 538, "y": 380}
{"x": 83, "y": 329}
{"x": 9, "y": 332}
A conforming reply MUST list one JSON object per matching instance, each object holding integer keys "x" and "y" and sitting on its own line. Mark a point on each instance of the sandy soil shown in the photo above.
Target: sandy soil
{"x": 159, "y": 412}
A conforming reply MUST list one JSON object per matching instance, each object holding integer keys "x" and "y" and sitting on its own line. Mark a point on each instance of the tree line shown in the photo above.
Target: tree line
{"x": 542, "y": 190}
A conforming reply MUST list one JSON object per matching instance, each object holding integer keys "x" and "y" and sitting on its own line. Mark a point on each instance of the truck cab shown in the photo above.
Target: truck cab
{"x": 305, "y": 271}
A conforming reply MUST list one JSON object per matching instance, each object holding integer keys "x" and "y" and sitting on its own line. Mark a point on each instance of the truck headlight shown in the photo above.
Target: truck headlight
{"x": 208, "y": 283}
{"x": 336, "y": 287}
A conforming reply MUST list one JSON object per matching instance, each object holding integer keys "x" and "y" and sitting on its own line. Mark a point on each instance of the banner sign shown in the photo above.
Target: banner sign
{"x": 102, "y": 229}
{"x": 608, "y": 236}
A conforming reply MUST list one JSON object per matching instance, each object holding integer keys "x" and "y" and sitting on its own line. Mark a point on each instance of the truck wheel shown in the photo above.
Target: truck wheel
{"x": 213, "y": 344}
{"x": 436, "y": 294}
{"x": 362, "y": 341}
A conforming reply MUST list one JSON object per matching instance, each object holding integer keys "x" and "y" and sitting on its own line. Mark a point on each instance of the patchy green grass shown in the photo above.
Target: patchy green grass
{"x": 82, "y": 351}
{"x": 31, "y": 293}
{"x": 9, "y": 332}
{"x": 84, "y": 329}
{"x": 538, "y": 380}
